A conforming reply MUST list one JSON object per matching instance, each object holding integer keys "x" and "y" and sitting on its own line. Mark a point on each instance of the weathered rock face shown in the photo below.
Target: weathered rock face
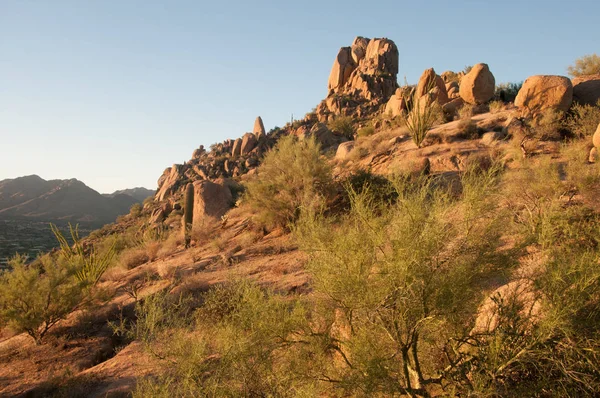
{"x": 544, "y": 92}
{"x": 363, "y": 76}
{"x": 237, "y": 147}
{"x": 593, "y": 156}
{"x": 160, "y": 214}
{"x": 369, "y": 87}
{"x": 359, "y": 49}
{"x": 450, "y": 76}
{"x": 451, "y": 108}
{"x": 431, "y": 82}
{"x": 596, "y": 137}
{"x": 477, "y": 87}
{"x": 381, "y": 57}
{"x": 325, "y": 137}
{"x": 453, "y": 90}
{"x": 211, "y": 199}
{"x": 198, "y": 152}
{"x": 259, "y": 128}
{"x": 344, "y": 150}
{"x": 168, "y": 182}
{"x": 586, "y": 89}
{"x": 249, "y": 142}
{"x": 396, "y": 104}
{"x": 342, "y": 67}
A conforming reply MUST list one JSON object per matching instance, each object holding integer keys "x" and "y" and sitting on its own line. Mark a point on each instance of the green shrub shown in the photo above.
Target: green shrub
{"x": 451, "y": 76}
{"x": 468, "y": 129}
{"x": 546, "y": 337}
{"x": 507, "y": 92}
{"x": 148, "y": 200}
{"x": 365, "y": 131}
{"x": 547, "y": 124}
{"x": 135, "y": 210}
{"x": 381, "y": 189}
{"x": 234, "y": 345}
{"x": 33, "y": 299}
{"x": 357, "y": 153}
{"x": 134, "y": 257}
{"x": 583, "y": 120}
{"x": 467, "y": 111}
{"x": 343, "y": 125}
{"x": 586, "y": 65}
{"x": 292, "y": 176}
{"x": 496, "y": 106}
{"x": 398, "y": 280}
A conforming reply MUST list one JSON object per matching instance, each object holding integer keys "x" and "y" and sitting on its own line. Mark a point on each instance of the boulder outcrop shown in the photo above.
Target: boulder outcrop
{"x": 596, "y": 137}
{"x": 453, "y": 89}
{"x": 586, "y": 89}
{"x": 359, "y": 49}
{"x": 249, "y": 142}
{"x": 198, "y": 152}
{"x": 342, "y": 67}
{"x": 477, "y": 87}
{"x": 259, "y": 128}
{"x": 543, "y": 92}
{"x": 211, "y": 199}
{"x": 168, "y": 182}
{"x": 236, "y": 148}
{"x": 430, "y": 82}
{"x": 321, "y": 133}
{"x": 344, "y": 150}
{"x": 363, "y": 77}
{"x": 396, "y": 104}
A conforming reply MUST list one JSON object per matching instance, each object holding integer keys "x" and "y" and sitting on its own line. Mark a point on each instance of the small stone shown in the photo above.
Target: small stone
{"x": 593, "y": 155}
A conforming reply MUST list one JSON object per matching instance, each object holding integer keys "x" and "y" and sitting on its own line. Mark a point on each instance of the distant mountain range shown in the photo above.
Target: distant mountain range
{"x": 138, "y": 193}
{"x": 33, "y": 198}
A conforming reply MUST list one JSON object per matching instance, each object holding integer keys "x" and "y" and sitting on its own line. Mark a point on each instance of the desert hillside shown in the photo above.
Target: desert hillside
{"x": 33, "y": 198}
{"x": 434, "y": 239}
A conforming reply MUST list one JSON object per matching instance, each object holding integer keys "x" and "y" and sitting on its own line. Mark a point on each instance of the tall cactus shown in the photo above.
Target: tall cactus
{"x": 188, "y": 213}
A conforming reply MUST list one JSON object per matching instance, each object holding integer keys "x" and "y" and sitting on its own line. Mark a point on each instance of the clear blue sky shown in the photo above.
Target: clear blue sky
{"x": 114, "y": 91}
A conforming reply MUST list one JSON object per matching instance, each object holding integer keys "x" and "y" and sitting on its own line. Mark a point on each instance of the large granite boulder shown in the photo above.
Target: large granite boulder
{"x": 477, "y": 87}
{"x": 249, "y": 142}
{"x": 543, "y": 92}
{"x": 211, "y": 199}
{"x": 586, "y": 89}
{"x": 342, "y": 67}
{"x": 396, "y": 104}
{"x": 236, "y": 148}
{"x": 430, "y": 82}
{"x": 168, "y": 182}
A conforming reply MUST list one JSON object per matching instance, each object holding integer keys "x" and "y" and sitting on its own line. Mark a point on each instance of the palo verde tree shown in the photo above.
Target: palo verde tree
{"x": 586, "y": 65}
{"x": 399, "y": 281}
{"x": 35, "y": 297}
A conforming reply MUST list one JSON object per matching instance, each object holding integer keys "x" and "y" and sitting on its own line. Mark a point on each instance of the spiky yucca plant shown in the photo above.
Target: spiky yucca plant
{"x": 91, "y": 265}
{"x": 421, "y": 114}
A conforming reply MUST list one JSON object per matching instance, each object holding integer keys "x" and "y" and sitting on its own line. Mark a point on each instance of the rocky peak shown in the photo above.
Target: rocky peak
{"x": 363, "y": 76}
{"x": 259, "y": 128}
{"x": 381, "y": 58}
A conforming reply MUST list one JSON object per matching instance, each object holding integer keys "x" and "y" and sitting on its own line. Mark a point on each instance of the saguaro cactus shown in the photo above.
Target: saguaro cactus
{"x": 188, "y": 213}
